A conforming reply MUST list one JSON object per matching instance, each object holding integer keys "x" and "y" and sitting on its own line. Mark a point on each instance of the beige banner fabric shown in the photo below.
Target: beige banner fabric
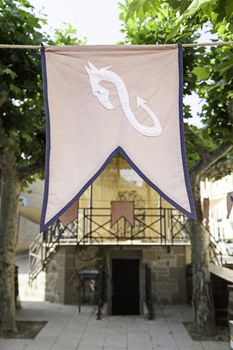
{"x": 103, "y": 100}
{"x": 70, "y": 214}
{"x": 122, "y": 209}
{"x": 229, "y": 203}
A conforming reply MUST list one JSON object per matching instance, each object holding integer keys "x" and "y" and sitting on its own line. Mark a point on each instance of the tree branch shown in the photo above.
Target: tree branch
{"x": 30, "y": 170}
{"x": 1, "y": 161}
{"x": 209, "y": 158}
{"x": 230, "y": 110}
{"x": 219, "y": 169}
{"x": 3, "y": 97}
{"x": 199, "y": 148}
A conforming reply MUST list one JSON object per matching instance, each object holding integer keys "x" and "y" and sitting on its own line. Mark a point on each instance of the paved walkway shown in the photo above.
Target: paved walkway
{"x": 67, "y": 329}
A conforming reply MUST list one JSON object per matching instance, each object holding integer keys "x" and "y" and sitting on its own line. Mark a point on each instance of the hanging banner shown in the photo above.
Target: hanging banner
{"x": 104, "y": 100}
{"x": 229, "y": 203}
{"x": 70, "y": 214}
{"x": 122, "y": 209}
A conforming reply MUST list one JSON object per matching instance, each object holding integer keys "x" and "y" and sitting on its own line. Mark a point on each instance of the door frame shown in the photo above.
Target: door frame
{"x": 123, "y": 254}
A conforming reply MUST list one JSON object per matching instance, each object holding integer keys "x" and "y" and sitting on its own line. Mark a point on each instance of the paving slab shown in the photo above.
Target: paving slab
{"x": 67, "y": 329}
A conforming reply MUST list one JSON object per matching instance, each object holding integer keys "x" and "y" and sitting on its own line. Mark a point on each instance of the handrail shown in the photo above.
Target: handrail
{"x": 149, "y": 299}
{"x": 215, "y": 252}
{"x": 153, "y": 226}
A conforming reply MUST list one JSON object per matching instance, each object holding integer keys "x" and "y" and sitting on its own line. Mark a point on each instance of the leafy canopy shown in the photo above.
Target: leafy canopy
{"x": 208, "y": 71}
{"x": 22, "y": 119}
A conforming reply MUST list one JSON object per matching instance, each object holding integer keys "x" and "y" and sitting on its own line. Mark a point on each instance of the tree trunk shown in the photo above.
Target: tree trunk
{"x": 203, "y": 306}
{"x": 8, "y": 227}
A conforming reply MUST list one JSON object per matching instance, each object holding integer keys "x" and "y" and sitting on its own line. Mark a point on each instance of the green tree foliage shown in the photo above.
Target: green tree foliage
{"x": 208, "y": 71}
{"x": 214, "y": 69}
{"x": 21, "y": 102}
{"x": 22, "y": 117}
{"x": 22, "y": 128}
{"x": 188, "y": 12}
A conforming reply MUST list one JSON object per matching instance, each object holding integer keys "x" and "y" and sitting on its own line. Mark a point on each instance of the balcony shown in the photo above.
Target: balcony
{"x": 152, "y": 226}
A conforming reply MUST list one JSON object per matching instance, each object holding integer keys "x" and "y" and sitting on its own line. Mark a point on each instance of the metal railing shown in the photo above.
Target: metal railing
{"x": 46, "y": 243}
{"x": 158, "y": 226}
{"x": 215, "y": 252}
{"x": 36, "y": 257}
{"x": 152, "y": 226}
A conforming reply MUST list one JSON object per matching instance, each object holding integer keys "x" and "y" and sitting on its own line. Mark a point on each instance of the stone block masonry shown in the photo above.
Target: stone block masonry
{"x": 168, "y": 268}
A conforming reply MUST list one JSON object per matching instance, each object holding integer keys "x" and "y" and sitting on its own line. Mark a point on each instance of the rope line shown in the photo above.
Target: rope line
{"x": 210, "y": 43}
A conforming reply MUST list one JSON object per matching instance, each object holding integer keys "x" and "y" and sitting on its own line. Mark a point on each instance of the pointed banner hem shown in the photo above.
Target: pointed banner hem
{"x": 119, "y": 150}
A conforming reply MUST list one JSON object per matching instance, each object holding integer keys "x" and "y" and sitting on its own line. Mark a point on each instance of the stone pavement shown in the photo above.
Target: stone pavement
{"x": 67, "y": 329}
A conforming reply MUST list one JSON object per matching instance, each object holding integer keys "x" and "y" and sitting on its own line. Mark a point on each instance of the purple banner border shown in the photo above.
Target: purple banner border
{"x": 118, "y": 150}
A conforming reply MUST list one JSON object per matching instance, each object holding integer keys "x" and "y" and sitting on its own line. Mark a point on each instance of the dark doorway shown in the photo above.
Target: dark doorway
{"x": 125, "y": 286}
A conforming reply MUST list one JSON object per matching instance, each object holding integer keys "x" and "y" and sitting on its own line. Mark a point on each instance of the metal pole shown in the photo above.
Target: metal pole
{"x": 100, "y": 291}
{"x": 149, "y": 299}
{"x": 91, "y": 207}
{"x": 161, "y": 219}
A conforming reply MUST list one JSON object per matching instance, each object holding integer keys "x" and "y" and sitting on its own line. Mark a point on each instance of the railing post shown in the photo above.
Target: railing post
{"x": 172, "y": 230}
{"x": 100, "y": 292}
{"x": 84, "y": 224}
{"x": 221, "y": 259}
{"x": 161, "y": 222}
{"x": 149, "y": 301}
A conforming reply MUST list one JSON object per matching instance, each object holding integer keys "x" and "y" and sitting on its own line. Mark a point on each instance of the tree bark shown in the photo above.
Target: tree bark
{"x": 9, "y": 196}
{"x": 203, "y": 306}
{"x": 219, "y": 169}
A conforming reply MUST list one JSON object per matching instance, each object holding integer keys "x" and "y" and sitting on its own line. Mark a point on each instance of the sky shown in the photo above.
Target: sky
{"x": 98, "y": 21}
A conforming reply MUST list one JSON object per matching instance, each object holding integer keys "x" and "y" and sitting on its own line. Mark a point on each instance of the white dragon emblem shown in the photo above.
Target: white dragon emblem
{"x": 97, "y": 75}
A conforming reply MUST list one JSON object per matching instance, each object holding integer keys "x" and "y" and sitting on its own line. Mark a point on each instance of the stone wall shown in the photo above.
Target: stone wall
{"x": 168, "y": 274}
{"x": 62, "y": 283}
{"x": 55, "y": 288}
{"x": 168, "y": 267}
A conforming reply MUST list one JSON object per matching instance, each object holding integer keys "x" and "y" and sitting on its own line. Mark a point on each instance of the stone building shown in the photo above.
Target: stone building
{"x": 124, "y": 234}
{"x": 215, "y": 192}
